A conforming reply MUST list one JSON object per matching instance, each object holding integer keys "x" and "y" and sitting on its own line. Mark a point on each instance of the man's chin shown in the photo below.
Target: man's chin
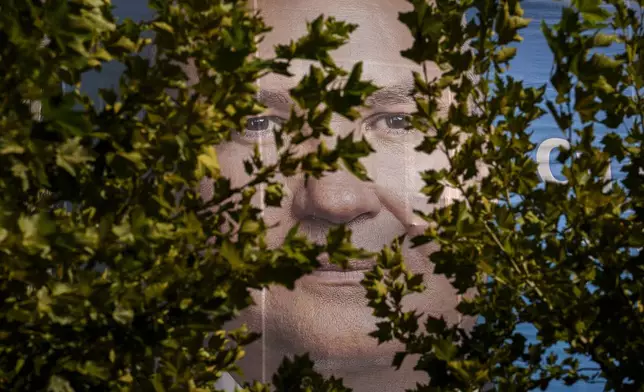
{"x": 339, "y": 362}
{"x": 357, "y": 372}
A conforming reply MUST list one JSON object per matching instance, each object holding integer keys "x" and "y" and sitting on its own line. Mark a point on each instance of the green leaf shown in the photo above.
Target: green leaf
{"x": 229, "y": 252}
{"x": 208, "y": 163}
{"x": 444, "y": 350}
{"x": 163, "y": 26}
{"x": 59, "y": 384}
{"x": 72, "y": 155}
{"x": 505, "y": 54}
{"x": 123, "y": 315}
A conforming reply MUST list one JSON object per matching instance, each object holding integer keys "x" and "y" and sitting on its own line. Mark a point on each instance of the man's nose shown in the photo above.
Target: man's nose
{"x": 337, "y": 198}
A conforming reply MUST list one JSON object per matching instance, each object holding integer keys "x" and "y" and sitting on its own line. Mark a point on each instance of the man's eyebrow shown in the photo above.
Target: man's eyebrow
{"x": 275, "y": 99}
{"x": 395, "y": 94}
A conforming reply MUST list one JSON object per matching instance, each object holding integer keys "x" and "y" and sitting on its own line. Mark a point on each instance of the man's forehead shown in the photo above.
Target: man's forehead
{"x": 376, "y": 43}
{"x": 337, "y": 8}
{"x": 379, "y": 36}
{"x": 395, "y": 76}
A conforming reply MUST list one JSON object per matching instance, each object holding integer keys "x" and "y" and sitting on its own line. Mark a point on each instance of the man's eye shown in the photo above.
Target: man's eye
{"x": 261, "y": 125}
{"x": 389, "y": 121}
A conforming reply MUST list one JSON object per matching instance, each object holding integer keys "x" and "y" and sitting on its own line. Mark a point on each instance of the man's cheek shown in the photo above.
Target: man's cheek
{"x": 268, "y": 152}
{"x": 386, "y": 167}
{"x": 231, "y": 160}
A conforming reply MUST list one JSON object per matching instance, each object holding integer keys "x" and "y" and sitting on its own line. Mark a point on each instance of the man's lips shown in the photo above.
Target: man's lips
{"x": 354, "y": 265}
{"x": 328, "y": 274}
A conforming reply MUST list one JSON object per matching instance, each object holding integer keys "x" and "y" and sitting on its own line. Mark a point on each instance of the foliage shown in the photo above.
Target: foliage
{"x": 121, "y": 291}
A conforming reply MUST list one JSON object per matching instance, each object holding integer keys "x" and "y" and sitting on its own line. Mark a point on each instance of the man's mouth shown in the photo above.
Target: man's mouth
{"x": 335, "y": 278}
{"x": 354, "y": 265}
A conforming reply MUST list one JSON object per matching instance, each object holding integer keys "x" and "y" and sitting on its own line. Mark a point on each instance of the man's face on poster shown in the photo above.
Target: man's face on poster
{"x": 326, "y": 314}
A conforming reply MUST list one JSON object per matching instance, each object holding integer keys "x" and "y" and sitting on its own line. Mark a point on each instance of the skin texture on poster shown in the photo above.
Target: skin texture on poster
{"x": 326, "y": 315}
